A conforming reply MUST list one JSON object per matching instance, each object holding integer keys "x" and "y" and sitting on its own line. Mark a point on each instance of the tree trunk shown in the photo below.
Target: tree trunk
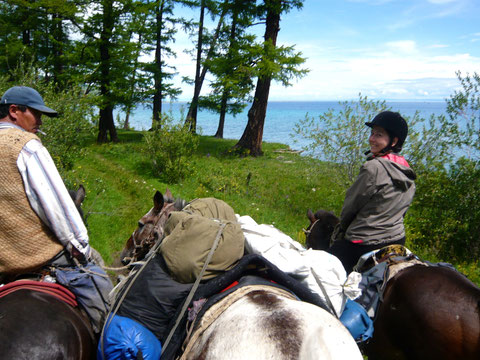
{"x": 126, "y": 124}
{"x": 157, "y": 96}
{"x": 251, "y": 139}
{"x": 226, "y": 93}
{"x": 128, "y": 111}
{"x": 191, "y": 119}
{"x": 223, "y": 110}
{"x": 57, "y": 49}
{"x": 106, "y": 122}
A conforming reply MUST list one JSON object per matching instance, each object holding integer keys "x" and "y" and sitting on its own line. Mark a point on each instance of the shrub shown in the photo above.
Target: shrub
{"x": 341, "y": 138}
{"x": 445, "y": 214}
{"x": 64, "y": 135}
{"x": 170, "y": 147}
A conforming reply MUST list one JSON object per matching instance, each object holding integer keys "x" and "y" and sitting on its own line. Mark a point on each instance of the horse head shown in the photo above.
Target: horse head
{"x": 78, "y": 196}
{"x": 319, "y": 232}
{"x": 150, "y": 227}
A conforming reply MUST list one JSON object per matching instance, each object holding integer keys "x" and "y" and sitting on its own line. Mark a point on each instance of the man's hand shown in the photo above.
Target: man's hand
{"x": 79, "y": 256}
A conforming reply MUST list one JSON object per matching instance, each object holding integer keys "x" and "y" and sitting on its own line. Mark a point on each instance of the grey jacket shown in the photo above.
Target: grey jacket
{"x": 377, "y": 201}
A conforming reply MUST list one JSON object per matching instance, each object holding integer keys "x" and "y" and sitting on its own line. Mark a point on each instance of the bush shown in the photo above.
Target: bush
{"x": 341, "y": 138}
{"x": 64, "y": 135}
{"x": 170, "y": 147}
{"x": 445, "y": 214}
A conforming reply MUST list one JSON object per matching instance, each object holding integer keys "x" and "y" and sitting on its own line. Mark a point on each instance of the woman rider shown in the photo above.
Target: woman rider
{"x": 376, "y": 203}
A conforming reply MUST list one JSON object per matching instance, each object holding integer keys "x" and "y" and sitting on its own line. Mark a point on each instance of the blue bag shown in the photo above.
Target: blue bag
{"x": 91, "y": 285}
{"x": 123, "y": 338}
{"x": 356, "y": 320}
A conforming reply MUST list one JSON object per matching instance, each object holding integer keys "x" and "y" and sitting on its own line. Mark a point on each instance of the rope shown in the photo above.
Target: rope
{"x": 324, "y": 292}
{"x": 195, "y": 286}
{"x": 119, "y": 302}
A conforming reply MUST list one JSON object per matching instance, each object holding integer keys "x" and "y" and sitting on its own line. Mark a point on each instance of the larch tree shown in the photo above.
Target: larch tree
{"x": 277, "y": 63}
{"x": 232, "y": 65}
{"x": 201, "y": 71}
{"x": 165, "y": 25}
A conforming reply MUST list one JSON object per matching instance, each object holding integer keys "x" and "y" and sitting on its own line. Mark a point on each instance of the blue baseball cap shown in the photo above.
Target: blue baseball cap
{"x": 24, "y": 95}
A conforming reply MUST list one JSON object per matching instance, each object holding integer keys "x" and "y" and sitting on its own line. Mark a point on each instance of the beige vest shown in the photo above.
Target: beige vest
{"x": 25, "y": 242}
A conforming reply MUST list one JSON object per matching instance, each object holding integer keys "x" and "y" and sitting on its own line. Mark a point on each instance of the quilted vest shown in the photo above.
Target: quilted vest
{"x": 26, "y": 243}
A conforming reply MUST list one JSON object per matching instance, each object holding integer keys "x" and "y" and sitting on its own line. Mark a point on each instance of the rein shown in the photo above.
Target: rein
{"x": 308, "y": 231}
{"x": 156, "y": 228}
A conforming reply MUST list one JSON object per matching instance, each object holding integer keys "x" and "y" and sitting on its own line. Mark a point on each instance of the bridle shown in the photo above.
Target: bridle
{"x": 154, "y": 232}
{"x": 309, "y": 229}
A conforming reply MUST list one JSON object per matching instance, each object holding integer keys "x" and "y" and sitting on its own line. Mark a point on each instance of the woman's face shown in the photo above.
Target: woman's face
{"x": 378, "y": 139}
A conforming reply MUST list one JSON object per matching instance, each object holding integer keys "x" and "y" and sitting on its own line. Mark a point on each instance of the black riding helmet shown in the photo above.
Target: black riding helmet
{"x": 394, "y": 124}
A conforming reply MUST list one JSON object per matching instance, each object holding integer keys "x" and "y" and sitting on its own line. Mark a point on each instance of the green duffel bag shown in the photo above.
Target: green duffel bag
{"x": 186, "y": 247}
{"x": 211, "y": 208}
{"x": 207, "y": 207}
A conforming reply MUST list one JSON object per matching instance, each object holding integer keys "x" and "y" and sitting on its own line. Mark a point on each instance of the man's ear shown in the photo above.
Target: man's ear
{"x": 12, "y": 111}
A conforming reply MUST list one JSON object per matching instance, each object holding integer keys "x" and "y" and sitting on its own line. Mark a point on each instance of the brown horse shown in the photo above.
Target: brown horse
{"x": 150, "y": 227}
{"x": 260, "y": 324}
{"x": 426, "y": 312}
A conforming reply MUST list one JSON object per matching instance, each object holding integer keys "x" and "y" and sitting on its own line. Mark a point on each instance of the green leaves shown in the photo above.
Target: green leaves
{"x": 170, "y": 147}
{"x": 341, "y": 138}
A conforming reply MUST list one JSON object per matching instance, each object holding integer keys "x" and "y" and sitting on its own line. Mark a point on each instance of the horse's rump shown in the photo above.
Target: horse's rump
{"x": 260, "y": 322}
{"x": 428, "y": 313}
{"x": 216, "y": 310}
{"x": 38, "y": 326}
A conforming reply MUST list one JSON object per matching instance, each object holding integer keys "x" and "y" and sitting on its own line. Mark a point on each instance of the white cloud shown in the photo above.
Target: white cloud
{"x": 399, "y": 70}
{"x": 438, "y": 46}
{"x": 406, "y": 46}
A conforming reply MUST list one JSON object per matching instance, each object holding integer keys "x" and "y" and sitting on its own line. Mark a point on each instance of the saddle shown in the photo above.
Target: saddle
{"x": 60, "y": 292}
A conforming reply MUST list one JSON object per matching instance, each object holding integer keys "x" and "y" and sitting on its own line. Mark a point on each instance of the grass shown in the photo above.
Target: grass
{"x": 276, "y": 188}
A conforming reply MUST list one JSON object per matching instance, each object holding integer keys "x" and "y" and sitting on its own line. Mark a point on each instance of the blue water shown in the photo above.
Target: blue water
{"x": 280, "y": 120}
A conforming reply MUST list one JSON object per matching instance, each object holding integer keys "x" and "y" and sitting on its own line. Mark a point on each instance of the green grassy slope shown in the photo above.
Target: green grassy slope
{"x": 276, "y": 188}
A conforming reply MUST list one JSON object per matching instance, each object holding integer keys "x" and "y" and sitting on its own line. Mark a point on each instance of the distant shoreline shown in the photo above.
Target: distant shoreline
{"x": 323, "y": 101}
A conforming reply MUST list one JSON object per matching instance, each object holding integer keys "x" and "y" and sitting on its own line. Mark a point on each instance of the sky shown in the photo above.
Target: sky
{"x": 384, "y": 49}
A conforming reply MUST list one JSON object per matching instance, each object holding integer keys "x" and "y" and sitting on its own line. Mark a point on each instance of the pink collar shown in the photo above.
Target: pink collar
{"x": 396, "y": 159}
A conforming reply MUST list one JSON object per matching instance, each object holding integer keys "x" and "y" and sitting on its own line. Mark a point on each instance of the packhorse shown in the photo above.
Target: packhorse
{"x": 37, "y": 325}
{"x": 426, "y": 312}
{"x": 261, "y": 324}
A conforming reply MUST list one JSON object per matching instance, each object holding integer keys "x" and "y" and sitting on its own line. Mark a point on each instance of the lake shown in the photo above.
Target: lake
{"x": 280, "y": 120}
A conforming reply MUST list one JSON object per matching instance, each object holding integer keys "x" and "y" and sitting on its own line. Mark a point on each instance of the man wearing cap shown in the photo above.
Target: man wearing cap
{"x": 38, "y": 218}
{"x": 376, "y": 203}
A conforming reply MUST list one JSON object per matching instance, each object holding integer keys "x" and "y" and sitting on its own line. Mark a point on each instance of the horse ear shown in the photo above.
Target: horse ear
{"x": 311, "y": 216}
{"x": 168, "y": 194}
{"x": 80, "y": 196}
{"x": 158, "y": 201}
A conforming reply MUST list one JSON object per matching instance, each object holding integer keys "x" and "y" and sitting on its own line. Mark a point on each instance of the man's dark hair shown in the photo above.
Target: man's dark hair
{"x": 4, "y": 109}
